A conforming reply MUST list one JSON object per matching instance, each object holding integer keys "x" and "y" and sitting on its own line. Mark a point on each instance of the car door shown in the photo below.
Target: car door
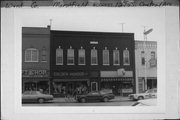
{"x": 26, "y": 96}
{"x": 93, "y": 96}
{"x": 34, "y": 96}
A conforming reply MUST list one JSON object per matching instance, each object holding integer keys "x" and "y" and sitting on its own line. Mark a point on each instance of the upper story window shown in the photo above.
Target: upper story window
{"x": 31, "y": 55}
{"x": 94, "y": 58}
{"x": 70, "y": 56}
{"x": 153, "y": 60}
{"x": 59, "y": 56}
{"x": 126, "y": 59}
{"x": 105, "y": 56}
{"x": 44, "y": 55}
{"x": 142, "y": 58}
{"x": 81, "y": 57}
{"x": 116, "y": 60}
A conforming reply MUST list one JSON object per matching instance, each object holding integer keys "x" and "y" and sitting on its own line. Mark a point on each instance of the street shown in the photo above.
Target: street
{"x": 118, "y": 101}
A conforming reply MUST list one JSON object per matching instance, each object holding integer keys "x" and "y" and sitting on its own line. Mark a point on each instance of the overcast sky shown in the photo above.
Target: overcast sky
{"x": 99, "y": 19}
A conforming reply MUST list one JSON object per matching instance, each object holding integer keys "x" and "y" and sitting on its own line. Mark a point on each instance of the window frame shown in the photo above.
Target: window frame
{"x": 68, "y": 50}
{"x": 126, "y": 50}
{"x": 114, "y": 51}
{"x": 96, "y": 56}
{"x": 84, "y": 52}
{"x": 61, "y": 50}
{"x": 106, "y": 52}
{"x": 31, "y": 55}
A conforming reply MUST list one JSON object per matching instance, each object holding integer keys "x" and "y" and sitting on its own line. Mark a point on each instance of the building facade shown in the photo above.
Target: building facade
{"x": 35, "y": 59}
{"x": 146, "y": 65}
{"x": 91, "y": 61}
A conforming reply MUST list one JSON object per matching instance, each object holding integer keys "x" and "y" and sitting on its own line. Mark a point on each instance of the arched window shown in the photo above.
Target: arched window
{"x": 59, "y": 56}
{"x": 105, "y": 56}
{"x": 70, "y": 56}
{"x": 81, "y": 59}
{"x": 126, "y": 59}
{"x": 31, "y": 55}
{"x": 116, "y": 60}
{"x": 94, "y": 59}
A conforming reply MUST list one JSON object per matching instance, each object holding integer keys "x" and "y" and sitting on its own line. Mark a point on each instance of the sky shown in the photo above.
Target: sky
{"x": 100, "y": 19}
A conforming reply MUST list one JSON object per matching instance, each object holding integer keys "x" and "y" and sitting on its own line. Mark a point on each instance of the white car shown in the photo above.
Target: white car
{"x": 151, "y": 93}
{"x": 147, "y": 102}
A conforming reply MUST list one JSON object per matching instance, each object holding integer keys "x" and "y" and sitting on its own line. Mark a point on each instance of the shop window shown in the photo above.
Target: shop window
{"x": 105, "y": 56}
{"x": 142, "y": 58}
{"x": 94, "y": 59}
{"x": 31, "y": 55}
{"x": 70, "y": 56}
{"x": 126, "y": 59}
{"x": 116, "y": 60}
{"x": 44, "y": 55}
{"x": 59, "y": 56}
{"x": 81, "y": 59}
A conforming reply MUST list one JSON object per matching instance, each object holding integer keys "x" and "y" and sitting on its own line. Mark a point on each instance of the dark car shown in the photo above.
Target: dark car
{"x": 95, "y": 96}
{"x": 35, "y": 96}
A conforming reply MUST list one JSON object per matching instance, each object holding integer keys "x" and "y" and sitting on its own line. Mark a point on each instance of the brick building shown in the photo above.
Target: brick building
{"x": 35, "y": 58}
{"x": 92, "y": 61}
{"x": 146, "y": 65}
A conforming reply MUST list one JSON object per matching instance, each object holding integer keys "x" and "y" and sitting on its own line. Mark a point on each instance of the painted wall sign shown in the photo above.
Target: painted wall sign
{"x": 35, "y": 73}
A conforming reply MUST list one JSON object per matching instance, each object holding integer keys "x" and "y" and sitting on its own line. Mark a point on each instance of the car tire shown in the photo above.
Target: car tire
{"x": 41, "y": 100}
{"x": 140, "y": 98}
{"x": 105, "y": 99}
{"x": 83, "y": 100}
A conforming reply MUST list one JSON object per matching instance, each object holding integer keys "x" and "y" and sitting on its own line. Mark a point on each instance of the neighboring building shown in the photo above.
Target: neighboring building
{"x": 92, "y": 61}
{"x": 35, "y": 58}
{"x": 146, "y": 65}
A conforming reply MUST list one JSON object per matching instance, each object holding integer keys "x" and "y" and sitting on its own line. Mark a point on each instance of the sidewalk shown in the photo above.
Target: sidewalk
{"x": 72, "y": 100}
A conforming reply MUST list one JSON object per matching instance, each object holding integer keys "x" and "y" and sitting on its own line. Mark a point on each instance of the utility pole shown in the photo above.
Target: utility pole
{"x": 145, "y": 51}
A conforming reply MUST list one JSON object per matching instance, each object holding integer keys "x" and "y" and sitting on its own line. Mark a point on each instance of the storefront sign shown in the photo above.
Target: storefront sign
{"x": 127, "y": 90}
{"x": 72, "y": 74}
{"x": 35, "y": 73}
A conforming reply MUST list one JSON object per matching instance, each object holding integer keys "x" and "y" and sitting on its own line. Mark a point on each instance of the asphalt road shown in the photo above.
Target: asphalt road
{"x": 110, "y": 103}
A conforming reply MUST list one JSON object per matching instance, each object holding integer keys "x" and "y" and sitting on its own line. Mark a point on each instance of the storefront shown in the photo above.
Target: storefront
{"x": 121, "y": 84}
{"x": 70, "y": 82}
{"x": 148, "y": 83}
{"x": 35, "y": 80}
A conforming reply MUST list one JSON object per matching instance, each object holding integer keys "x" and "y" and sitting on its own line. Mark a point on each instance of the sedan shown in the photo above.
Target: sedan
{"x": 95, "y": 96}
{"x": 151, "y": 93}
{"x": 35, "y": 96}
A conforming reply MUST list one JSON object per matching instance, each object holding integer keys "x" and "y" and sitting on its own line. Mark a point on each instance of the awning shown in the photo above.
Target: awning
{"x": 30, "y": 79}
{"x": 69, "y": 80}
{"x": 117, "y": 79}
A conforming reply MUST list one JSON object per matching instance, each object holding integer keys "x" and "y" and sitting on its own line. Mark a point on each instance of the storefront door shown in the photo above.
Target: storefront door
{"x": 94, "y": 86}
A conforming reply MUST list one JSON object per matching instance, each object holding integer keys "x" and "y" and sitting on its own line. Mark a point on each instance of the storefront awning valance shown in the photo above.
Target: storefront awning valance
{"x": 69, "y": 80}
{"x": 34, "y": 79}
{"x": 117, "y": 79}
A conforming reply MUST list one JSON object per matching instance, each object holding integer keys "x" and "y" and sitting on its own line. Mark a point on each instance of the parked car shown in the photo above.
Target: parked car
{"x": 151, "y": 93}
{"x": 146, "y": 102}
{"x": 95, "y": 96}
{"x": 35, "y": 96}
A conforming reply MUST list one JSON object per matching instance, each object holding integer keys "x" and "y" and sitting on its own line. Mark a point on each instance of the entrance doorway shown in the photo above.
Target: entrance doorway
{"x": 94, "y": 86}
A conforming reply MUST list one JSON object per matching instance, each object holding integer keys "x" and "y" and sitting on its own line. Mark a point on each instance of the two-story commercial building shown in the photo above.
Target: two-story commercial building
{"x": 146, "y": 65}
{"x": 90, "y": 61}
{"x": 35, "y": 58}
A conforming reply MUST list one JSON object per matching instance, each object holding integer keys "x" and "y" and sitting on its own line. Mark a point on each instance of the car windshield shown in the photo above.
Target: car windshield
{"x": 149, "y": 91}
